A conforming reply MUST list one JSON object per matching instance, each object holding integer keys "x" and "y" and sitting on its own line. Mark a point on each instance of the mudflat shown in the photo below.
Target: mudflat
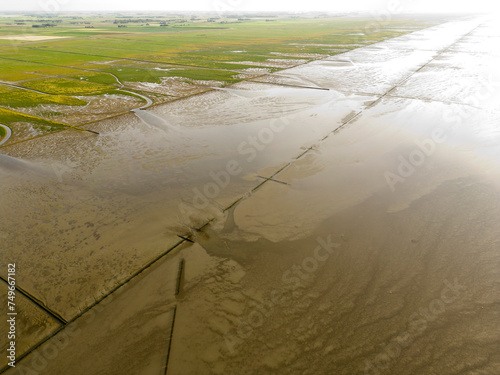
{"x": 339, "y": 217}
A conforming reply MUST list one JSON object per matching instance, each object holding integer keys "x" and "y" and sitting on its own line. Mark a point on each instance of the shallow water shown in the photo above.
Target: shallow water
{"x": 341, "y": 218}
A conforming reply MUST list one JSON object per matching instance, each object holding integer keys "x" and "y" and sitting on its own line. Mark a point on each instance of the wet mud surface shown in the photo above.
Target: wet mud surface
{"x": 351, "y": 230}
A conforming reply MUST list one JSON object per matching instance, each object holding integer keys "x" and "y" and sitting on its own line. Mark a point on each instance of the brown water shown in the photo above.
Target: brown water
{"x": 372, "y": 246}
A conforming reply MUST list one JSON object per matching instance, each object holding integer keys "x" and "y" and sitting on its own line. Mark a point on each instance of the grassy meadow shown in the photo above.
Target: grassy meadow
{"x": 77, "y": 57}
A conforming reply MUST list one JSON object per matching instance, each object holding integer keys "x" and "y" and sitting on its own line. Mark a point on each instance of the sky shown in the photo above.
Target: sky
{"x": 379, "y": 6}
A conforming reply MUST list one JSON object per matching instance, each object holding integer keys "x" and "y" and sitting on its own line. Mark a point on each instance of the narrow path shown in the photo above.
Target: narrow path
{"x": 7, "y": 135}
{"x": 148, "y": 104}
{"x": 116, "y": 77}
{"x": 24, "y": 88}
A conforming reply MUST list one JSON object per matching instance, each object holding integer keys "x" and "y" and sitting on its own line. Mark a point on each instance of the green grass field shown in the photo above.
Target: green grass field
{"x": 89, "y": 53}
{"x": 13, "y": 98}
{"x": 9, "y": 118}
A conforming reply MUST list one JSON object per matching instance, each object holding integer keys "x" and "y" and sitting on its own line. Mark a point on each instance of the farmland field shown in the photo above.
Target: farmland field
{"x": 52, "y": 67}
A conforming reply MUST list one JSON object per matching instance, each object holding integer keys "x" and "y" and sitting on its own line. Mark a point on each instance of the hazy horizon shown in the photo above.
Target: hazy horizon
{"x": 382, "y": 7}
